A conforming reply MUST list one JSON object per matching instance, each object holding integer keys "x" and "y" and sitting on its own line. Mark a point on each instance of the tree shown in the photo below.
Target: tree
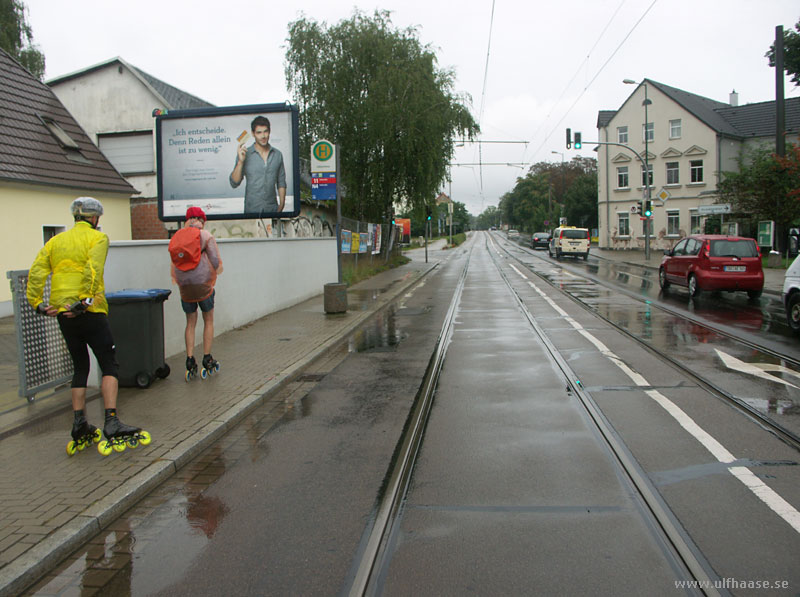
{"x": 766, "y": 186}
{"x": 16, "y": 37}
{"x": 379, "y": 95}
{"x": 791, "y": 53}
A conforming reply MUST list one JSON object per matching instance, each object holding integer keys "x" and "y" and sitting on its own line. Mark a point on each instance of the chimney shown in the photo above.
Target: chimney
{"x": 734, "y": 98}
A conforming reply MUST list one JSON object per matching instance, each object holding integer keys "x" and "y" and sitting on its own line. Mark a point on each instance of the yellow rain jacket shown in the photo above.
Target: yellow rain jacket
{"x": 76, "y": 259}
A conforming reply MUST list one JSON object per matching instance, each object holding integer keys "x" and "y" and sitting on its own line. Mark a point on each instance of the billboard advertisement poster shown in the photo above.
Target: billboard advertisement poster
{"x": 347, "y": 237}
{"x": 355, "y": 243}
{"x": 235, "y": 162}
{"x": 405, "y": 223}
{"x": 363, "y": 242}
{"x": 375, "y": 238}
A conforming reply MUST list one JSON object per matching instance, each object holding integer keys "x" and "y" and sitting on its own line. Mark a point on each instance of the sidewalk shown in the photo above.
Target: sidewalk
{"x": 773, "y": 278}
{"x": 51, "y": 503}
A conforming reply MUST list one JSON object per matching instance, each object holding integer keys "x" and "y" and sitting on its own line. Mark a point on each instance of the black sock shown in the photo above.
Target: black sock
{"x": 111, "y": 413}
{"x": 80, "y": 417}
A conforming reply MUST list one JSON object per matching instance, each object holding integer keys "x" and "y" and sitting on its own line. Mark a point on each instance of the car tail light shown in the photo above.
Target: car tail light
{"x": 561, "y": 234}
{"x": 706, "y": 250}
{"x": 758, "y": 250}
{"x": 588, "y": 236}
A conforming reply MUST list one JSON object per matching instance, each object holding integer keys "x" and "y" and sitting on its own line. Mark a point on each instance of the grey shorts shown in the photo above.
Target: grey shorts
{"x": 205, "y": 305}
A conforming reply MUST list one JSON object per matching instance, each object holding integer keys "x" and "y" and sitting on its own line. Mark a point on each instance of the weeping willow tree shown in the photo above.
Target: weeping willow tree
{"x": 379, "y": 95}
{"x": 16, "y": 37}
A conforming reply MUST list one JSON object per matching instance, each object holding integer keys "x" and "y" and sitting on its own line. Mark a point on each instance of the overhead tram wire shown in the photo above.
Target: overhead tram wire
{"x": 578, "y": 70}
{"x": 483, "y": 98}
{"x": 597, "y": 74}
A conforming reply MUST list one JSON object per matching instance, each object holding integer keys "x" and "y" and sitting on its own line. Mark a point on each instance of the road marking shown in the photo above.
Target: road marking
{"x": 761, "y": 490}
{"x": 759, "y": 370}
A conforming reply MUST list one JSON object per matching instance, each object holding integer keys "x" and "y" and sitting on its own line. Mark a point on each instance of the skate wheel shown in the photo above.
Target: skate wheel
{"x": 98, "y": 435}
{"x": 216, "y": 367}
{"x": 71, "y": 448}
{"x": 188, "y": 376}
{"x": 119, "y": 446}
{"x": 144, "y": 438}
{"x": 80, "y": 444}
{"x": 204, "y": 373}
{"x": 132, "y": 442}
{"x": 104, "y": 448}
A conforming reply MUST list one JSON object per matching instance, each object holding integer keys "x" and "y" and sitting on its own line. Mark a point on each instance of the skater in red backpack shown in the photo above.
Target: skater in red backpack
{"x": 196, "y": 262}
{"x": 76, "y": 259}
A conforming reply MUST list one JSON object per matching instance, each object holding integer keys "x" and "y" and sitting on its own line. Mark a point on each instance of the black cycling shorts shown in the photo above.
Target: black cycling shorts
{"x": 89, "y": 330}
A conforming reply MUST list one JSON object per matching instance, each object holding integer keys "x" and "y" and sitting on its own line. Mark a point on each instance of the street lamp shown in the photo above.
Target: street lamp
{"x": 646, "y": 194}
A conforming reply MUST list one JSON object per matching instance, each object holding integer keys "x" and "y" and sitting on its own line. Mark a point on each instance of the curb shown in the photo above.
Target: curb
{"x": 46, "y": 555}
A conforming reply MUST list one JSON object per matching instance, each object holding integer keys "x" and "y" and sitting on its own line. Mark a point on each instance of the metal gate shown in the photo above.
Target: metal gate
{"x": 44, "y": 360}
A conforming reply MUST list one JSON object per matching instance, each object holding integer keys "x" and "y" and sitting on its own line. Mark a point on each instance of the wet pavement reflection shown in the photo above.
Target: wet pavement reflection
{"x": 701, "y": 334}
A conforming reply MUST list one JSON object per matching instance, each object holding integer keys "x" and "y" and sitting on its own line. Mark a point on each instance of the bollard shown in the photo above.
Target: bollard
{"x": 335, "y": 298}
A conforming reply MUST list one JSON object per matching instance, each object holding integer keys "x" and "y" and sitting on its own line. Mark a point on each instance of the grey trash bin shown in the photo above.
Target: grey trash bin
{"x": 136, "y": 318}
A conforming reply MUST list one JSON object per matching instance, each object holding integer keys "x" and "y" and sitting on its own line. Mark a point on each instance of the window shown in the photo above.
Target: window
{"x": 648, "y": 132}
{"x": 622, "y": 134}
{"x": 680, "y": 248}
{"x": 645, "y": 181}
{"x": 623, "y": 224}
{"x": 129, "y": 153}
{"x": 673, "y": 223}
{"x": 622, "y": 177}
{"x": 675, "y": 129}
{"x": 696, "y": 170}
{"x": 72, "y": 150}
{"x": 694, "y": 222}
{"x": 49, "y": 232}
{"x": 672, "y": 173}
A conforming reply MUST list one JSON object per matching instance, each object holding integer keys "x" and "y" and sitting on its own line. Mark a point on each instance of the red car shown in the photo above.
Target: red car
{"x": 713, "y": 262}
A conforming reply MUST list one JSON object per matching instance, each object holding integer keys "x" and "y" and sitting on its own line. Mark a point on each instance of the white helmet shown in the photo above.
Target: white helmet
{"x": 86, "y": 206}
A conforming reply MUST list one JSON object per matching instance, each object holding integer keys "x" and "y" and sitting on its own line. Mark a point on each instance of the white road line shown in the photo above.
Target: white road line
{"x": 760, "y": 489}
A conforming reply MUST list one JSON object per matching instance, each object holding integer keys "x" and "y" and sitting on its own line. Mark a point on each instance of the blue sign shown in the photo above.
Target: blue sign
{"x": 323, "y": 186}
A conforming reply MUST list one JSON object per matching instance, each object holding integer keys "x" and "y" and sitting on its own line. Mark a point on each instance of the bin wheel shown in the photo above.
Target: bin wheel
{"x": 163, "y": 372}
{"x": 143, "y": 379}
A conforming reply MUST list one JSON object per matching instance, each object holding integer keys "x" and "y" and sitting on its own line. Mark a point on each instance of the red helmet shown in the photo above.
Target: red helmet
{"x": 195, "y": 212}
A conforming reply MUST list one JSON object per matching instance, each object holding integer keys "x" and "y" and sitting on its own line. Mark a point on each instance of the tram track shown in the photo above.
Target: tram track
{"x": 787, "y": 436}
{"x": 675, "y": 543}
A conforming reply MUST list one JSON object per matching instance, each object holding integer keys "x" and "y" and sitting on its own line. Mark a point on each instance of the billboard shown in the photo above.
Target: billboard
{"x": 235, "y": 162}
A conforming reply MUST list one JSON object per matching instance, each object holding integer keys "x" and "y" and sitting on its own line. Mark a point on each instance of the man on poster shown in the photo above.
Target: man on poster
{"x": 262, "y": 165}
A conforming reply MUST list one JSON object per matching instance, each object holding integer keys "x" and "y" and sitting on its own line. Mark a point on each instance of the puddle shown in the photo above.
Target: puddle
{"x": 382, "y": 334}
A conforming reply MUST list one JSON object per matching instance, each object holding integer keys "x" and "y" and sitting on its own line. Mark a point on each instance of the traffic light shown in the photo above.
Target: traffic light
{"x": 637, "y": 209}
{"x": 394, "y": 222}
{"x": 428, "y": 213}
{"x": 648, "y": 209}
{"x": 578, "y": 143}
{"x": 569, "y": 138}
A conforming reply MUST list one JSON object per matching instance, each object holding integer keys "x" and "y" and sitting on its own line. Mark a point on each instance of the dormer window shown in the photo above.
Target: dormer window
{"x": 67, "y": 143}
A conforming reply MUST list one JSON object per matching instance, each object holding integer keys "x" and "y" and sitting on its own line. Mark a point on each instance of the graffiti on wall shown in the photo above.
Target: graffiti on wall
{"x": 312, "y": 222}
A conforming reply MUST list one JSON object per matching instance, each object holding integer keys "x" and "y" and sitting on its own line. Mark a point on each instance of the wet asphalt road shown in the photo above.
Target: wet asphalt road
{"x": 513, "y": 493}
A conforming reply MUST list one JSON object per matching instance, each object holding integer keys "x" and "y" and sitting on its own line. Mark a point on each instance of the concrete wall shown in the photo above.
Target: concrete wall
{"x": 260, "y": 276}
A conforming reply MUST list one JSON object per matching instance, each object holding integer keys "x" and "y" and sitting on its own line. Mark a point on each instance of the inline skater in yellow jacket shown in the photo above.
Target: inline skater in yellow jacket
{"x": 76, "y": 259}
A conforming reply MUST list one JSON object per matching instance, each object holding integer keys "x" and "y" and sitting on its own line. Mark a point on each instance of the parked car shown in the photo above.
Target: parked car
{"x": 713, "y": 262}
{"x": 569, "y": 240}
{"x": 511, "y": 232}
{"x": 791, "y": 295}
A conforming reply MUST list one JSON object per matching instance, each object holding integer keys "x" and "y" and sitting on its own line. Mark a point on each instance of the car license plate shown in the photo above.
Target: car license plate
{"x": 735, "y": 268}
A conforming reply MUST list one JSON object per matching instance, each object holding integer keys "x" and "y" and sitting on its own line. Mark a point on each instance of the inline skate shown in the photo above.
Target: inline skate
{"x": 191, "y": 368}
{"x": 210, "y": 366}
{"x": 83, "y": 434}
{"x": 120, "y": 436}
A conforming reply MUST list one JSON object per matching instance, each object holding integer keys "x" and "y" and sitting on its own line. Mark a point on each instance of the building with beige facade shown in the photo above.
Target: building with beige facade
{"x": 686, "y": 141}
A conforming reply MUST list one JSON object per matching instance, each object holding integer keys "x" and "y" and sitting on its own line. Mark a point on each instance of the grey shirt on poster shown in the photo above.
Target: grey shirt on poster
{"x": 260, "y": 196}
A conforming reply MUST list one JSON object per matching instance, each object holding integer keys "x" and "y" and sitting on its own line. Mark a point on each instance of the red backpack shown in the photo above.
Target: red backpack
{"x": 185, "y": 248}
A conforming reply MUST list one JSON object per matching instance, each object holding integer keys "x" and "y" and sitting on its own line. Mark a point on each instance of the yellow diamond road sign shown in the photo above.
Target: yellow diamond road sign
{"x": 663, "y": 195}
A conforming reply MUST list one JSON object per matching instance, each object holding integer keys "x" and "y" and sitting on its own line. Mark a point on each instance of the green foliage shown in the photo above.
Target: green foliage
{"x": 353, "y": 273}
{"x": 765, "y": 186}
{"x": 791, "y": 53}
{"x": 548, "y": 192}
{"x": 378, "y": 94}
{"x": 16, "y": 37}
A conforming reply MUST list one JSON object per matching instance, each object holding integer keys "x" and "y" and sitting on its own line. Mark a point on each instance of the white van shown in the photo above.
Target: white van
{"x": 569, "y": 240}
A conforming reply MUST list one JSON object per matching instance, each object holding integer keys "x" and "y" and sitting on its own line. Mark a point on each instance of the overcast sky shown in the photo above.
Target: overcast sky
{"x": 550, "y": 64}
